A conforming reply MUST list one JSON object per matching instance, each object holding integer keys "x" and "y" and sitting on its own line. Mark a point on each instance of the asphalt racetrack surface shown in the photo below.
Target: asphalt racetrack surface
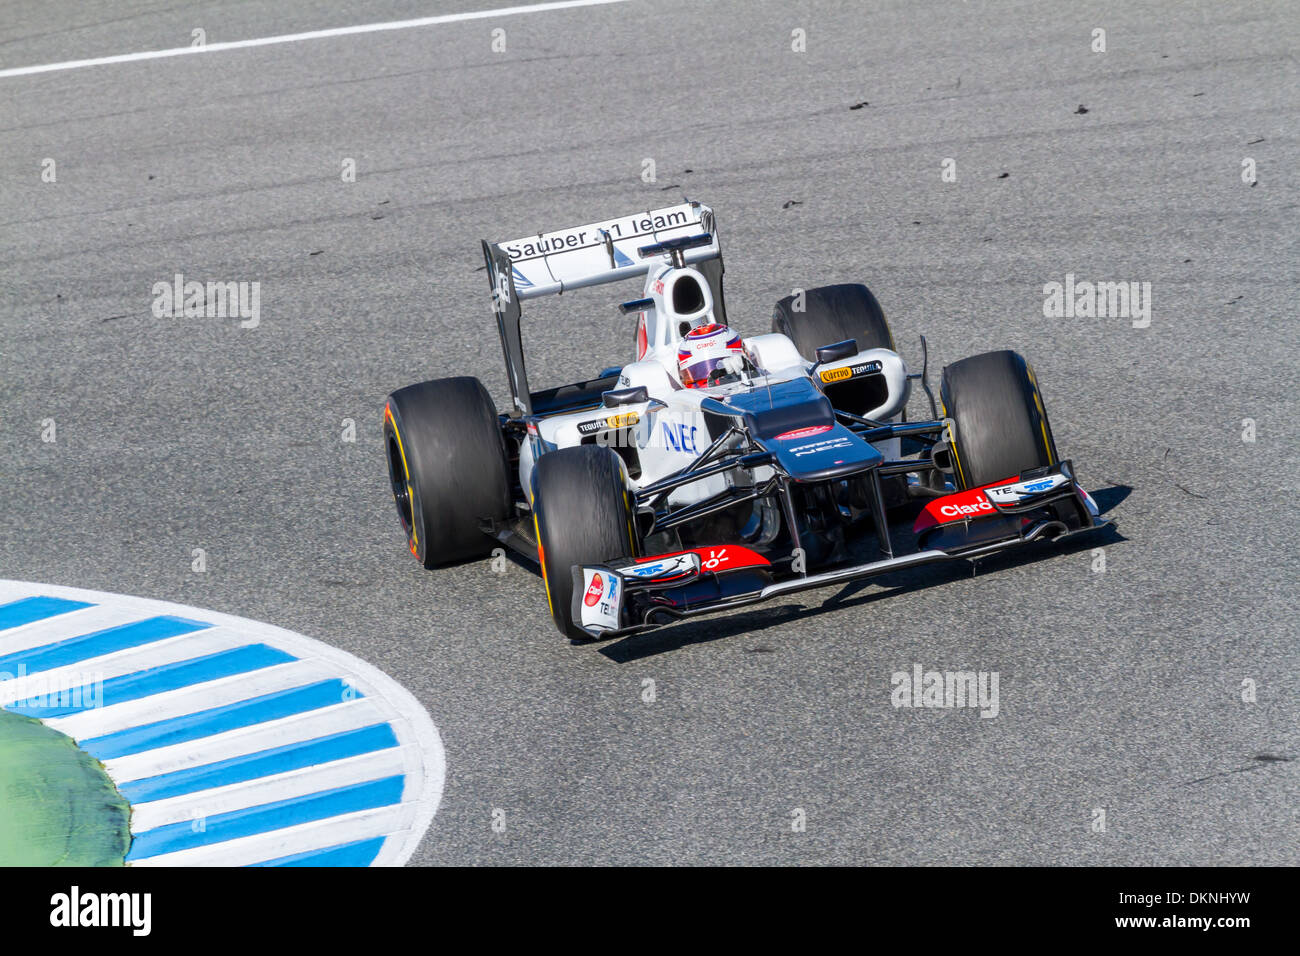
{"x": 1155, "y": 680}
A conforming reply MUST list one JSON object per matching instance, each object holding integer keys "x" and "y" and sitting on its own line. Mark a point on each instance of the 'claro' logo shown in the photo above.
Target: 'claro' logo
{"x": 594, "y": 591}
{"x": 959, "y": 511}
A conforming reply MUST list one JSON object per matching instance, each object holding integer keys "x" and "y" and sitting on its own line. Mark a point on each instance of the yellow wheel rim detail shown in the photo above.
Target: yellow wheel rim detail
{"x": 1042, "y": 415}
{"x": 406, "y": 471}
{"x": 541, "y": 559}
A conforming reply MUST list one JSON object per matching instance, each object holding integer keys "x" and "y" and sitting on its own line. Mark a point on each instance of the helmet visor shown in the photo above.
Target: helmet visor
{"x": 696, "y": 374}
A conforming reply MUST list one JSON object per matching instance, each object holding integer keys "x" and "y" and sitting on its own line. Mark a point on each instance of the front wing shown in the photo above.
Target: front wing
{"x": 611, "y": 600}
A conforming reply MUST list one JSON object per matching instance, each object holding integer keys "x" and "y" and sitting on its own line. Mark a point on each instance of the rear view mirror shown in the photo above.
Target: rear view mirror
{"x": 837, "y": 351}
{"x": 626, "y": 396}
{"x": 636, "y": 305}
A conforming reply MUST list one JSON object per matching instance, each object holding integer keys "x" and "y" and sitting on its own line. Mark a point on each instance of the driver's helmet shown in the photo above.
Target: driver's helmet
{"x": 702, "y": 350}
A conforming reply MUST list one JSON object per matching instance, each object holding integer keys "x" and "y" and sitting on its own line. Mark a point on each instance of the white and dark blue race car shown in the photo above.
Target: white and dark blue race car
{"x": 713, "y": 471}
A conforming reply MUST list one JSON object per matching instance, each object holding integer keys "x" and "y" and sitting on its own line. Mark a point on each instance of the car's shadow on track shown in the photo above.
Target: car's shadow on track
{"x": 861, "y": 593}
{"x": 1108, "y": 498}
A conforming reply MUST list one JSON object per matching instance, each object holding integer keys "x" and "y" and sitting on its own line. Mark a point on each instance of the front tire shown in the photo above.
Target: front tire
{"x": 833, "y": 313}
{"x": 999, "y": 421}
{"x": 447, "y": 468}
{"x": 582, "y": 510}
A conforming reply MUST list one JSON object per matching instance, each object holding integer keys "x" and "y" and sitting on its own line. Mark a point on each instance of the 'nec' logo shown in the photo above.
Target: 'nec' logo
{"x": 680, "y": 437}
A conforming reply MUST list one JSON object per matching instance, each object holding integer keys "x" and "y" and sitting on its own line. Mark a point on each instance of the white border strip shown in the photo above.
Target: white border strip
{"x": 108, "y": 719}
{"x": 295, "y": 729}
{"x": 303, "y": 838}
{"x": 411, "y": 722}
{"x": 309, "y": 35}
{"x": 171, "y": 650}
{"x": 303, "y": 782}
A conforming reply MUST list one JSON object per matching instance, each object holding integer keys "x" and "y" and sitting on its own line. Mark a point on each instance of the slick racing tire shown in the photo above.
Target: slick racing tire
{"x": 999, "y": 422}
{"x": 447, "y": 467}
{"x": 583, "y": 515}
{"x": 833, "y": 313}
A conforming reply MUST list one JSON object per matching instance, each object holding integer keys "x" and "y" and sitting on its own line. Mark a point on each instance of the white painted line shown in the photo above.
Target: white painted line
{"x": 246, "y": 740}
{"x": 254, "y": 793}
{"x": 60, "y": 627}
{"x": 317, "y": 835}
{"x": 310, "y": 35}
{"x": 98, "y": 721}
{"x": 146, "y": 657}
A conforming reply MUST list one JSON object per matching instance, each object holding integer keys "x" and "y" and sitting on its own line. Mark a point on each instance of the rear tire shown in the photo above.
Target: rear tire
{"x": 1000, "y": 423}
{"x": 583, "y": 515}
{"x": 447, "y": 468}
{"x": 833, "y": 313}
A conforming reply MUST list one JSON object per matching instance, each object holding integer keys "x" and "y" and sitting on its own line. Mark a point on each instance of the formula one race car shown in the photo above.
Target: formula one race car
{"x": 714, "y": 472}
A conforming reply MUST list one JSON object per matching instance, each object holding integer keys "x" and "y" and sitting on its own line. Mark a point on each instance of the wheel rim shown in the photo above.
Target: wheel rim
{"x": 399, "y": 481}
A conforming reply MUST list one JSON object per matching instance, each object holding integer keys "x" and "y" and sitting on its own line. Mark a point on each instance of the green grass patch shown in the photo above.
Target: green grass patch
{"x": 57, "y": 805}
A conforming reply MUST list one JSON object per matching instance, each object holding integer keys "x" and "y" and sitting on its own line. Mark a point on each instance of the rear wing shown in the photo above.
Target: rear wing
{"x": 555, "y": 262}
{"x": 552, "y": 263}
